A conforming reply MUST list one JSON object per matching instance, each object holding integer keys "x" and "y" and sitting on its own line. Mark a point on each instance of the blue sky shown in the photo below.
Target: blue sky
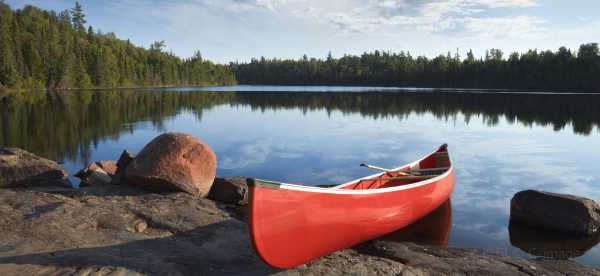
{"x": 229, "y": 30}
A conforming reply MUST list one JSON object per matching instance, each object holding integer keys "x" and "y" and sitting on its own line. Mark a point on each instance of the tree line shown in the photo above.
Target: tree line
{"x": 48, "y": 50}
{"x": 42, "y": 49}
{"x": 552, "y": 70}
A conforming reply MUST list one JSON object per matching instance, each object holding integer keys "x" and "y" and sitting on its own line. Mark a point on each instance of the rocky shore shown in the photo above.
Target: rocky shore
{"x": 125, "y": 230}
{"x": 117, "y": 228}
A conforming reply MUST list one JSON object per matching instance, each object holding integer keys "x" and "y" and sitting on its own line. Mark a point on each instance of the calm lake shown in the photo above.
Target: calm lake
{"x": 500, "y": 143}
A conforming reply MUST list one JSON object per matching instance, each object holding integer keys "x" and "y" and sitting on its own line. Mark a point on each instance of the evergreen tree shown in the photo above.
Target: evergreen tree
{"x": 78, "y": 17}
{"x": 45, "y": 49}
{"x": 8, "y": 66}
{"x": 548, "y": 70}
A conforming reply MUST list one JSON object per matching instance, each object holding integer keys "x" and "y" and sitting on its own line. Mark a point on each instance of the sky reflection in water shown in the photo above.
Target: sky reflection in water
{"x": 499, "y": 144}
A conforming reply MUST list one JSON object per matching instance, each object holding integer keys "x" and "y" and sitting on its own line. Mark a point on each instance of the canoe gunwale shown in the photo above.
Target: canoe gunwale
{"x": 337, "y": 190}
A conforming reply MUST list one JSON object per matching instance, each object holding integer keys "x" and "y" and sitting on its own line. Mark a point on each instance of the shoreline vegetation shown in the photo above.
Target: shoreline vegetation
{"x": 48, "y": 50}
{"x": 561, "y": 70}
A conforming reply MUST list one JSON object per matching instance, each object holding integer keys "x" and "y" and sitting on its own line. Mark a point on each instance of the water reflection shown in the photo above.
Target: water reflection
{"x": 546, "y": 244}
{"x": 433, "y": 229}
{"x": 64, "y": 125}
{"x": 579, "y": 111}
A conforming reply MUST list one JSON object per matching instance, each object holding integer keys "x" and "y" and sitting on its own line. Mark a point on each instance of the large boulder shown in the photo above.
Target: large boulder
{"x": 174, "y": 161}
{"x": 19, "y": 168}
{"x": 231, "y": 190}
{"x": 558, "y": 212}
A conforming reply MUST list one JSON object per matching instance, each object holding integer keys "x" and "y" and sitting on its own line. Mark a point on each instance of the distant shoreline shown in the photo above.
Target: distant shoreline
{"x": 112, "y": 88}
{"x": 384, "y": 88}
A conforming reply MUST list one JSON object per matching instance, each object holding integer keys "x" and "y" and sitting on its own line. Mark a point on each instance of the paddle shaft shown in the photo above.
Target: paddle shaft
{"x": 382, "y": 169}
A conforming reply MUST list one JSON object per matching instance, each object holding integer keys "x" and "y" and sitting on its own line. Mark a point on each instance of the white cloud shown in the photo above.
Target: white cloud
{"x": 351, "y": 16}
{"x": 508, "y": 26}
{"x": 228, "y": 30}
{"x": 430, "y": 16}
{"x": 250, "y": 154}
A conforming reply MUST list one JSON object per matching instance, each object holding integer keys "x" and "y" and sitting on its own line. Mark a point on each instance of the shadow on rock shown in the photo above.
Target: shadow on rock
{"x": 201, "y": 251}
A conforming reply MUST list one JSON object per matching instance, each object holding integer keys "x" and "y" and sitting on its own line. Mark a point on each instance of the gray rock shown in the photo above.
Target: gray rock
{"x": 95, "y": 174}
{"x": 432, "y": 260}
{"x": 231, "y": 190}
{"x": 121, "y": 226}
{"x": 123, "y": 230}
{"x": 557, "y": 212}
{"x": 124, "y": 160}
{"x": 22, "y": 168}
{"x": 99, "y": 177}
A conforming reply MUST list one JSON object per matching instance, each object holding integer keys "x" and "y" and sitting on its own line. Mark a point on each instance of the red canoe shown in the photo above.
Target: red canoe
{"x": 293, "y": 224}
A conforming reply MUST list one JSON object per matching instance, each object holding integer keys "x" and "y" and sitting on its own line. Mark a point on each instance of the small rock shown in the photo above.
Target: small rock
{"x": 90, "y": 200}
{"x": 85, "y": 171}
{"x": 140, "y": 226}
{"x": 124, "y": 160}
{"x": 174, "y": 162}
{"x": 94, "y": 174}
{"x": 109, "y": 166}
{"x": 232, "y": 190}
{"x": 558, "y": 212}
{"x": 99, "y": 177}
{"x": 20, "y": 168}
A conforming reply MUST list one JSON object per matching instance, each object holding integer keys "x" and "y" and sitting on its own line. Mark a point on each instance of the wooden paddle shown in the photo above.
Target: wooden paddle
{"x": 384, "y": 169}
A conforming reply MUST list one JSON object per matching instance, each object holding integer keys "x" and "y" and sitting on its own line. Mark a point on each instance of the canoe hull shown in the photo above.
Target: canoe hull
{"x": 290, "y": 227}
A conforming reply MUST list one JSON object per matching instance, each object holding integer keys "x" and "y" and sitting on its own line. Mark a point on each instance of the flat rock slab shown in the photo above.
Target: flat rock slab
{"x": 22, "y": 168}
{"x": 124, "y": 230}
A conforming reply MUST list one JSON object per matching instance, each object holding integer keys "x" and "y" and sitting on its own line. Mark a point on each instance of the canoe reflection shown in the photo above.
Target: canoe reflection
{"x": 541, "y": 243}
{"x": 433, "y": 229}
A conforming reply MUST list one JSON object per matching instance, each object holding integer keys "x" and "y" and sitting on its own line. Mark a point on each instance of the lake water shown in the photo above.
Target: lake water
{"x": 500, "y": 143}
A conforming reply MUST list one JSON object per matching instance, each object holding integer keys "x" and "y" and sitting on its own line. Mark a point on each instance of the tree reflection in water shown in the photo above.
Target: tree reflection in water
{"x": 66, "y": 125}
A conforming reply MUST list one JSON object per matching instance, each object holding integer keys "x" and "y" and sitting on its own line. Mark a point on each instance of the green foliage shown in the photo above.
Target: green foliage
{"x": 8, "y": 68}
{"x": 78, "y": 17}
{"x": 44, "y": 49}
{"x": 548, "y": 70}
